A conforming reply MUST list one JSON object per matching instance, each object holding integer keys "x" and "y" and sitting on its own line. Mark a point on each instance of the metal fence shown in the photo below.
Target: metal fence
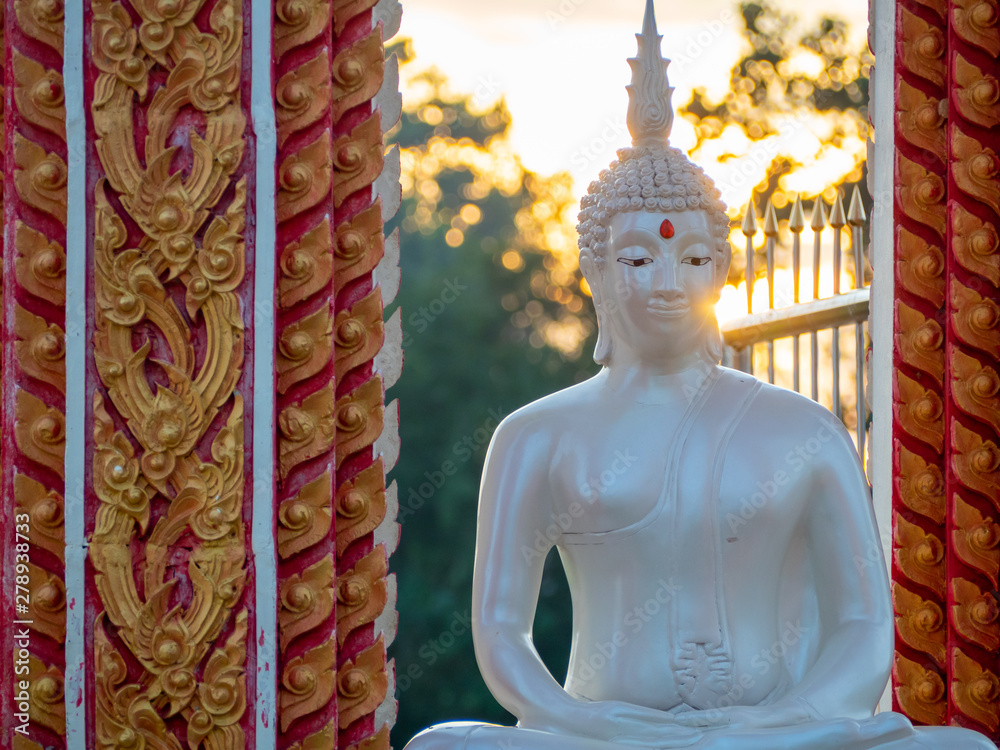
{"x": 752, "y": 339}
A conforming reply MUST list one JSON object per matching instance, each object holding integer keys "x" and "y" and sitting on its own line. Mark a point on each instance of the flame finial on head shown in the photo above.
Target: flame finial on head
{"x": 650, "y": 112}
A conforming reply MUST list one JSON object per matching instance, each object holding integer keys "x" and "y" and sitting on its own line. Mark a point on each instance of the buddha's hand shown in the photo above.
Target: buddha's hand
{"x": 622, "y": 723}
{"x": 783, "y": 713}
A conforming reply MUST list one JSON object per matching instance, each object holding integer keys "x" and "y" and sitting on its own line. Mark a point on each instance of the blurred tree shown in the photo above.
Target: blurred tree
{"x": 800, "y": 107}
{"x": 493, "y": 317}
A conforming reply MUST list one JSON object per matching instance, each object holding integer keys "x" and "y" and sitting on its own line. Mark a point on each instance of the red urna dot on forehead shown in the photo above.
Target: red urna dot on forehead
{"x": 666, "y": 229}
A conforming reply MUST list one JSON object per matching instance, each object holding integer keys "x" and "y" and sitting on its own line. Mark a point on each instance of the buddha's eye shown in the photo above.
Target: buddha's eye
{"x": 697, "y": 261}
{"x": 635, "y": 262}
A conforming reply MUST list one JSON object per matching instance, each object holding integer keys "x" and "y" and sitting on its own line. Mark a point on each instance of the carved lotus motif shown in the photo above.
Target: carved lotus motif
{"x": 160, "y": 21}
{"x": 217, "y": 520}
{"x": 179, "y": 685}
{"x": 170, "y": 644}
{"x": 117, "y": 472}
{"x": 169, "y": 429}
{"x": 222, "y": 692}
{"x": 170, "y": 223}
{"x": 114, "y": 42}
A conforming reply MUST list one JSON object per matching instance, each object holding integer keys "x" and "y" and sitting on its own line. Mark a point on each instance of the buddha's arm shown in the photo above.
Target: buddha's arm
{"x": 855, "y": 609}
{"x": 513, "y": 505}
{"x": 515, "y": 532}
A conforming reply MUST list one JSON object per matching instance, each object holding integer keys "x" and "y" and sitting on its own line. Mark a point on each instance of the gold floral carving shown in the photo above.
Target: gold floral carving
{"x": 40, "y": 431}
{"x": 920, "y": 691}
{"x": 359, "y": 418}
{"x": 920, "y": 555}
{"x": 23, "y": 743}
{"x": 976, "y": 318}
{"x": 47, "y": 603}
{"x": 975, "y": 691}
{"x": 924, "y": 52}
{"x": 360, "y": 245}
{"x": 306, "y": 429}
{"x": 920, "y": 120}
{"x": 42, "y": 20}
{"x": 920, "y": 341}
{"x": 306, "y": 600}
{"x": 324, "y": 739}
{"x": 307, "y": 683}
{"x": 40, "y": 265}
{"x": 40, "y": 178}
{"x": 976, "y": 462}
{"x": 938, "y": 6}
{"x": 357, "y": 73}
{"x": 921, "y": 194}
{"x": 975, "y": 614}
{"x": 362, "y": 684}
{"x": 920, "y": 267}
{"x": 920, "y": 623}
{"x": 302, "y": 94}
{"x": 975, "y": 244}
{"x": 360, "y": 505}
{"x": 306, "y": 266}
{"x": 304, "y": 348}
{"x": 920, "y": 485}
{"x": 360, "y": 333}
{"x": 35, "y": 350}
{"x": 977, "y": 539}
{"x": 153, "y": 288}
{"x": 304, "y": 178}
{"x": 362, "y": 593}
{"x": 345, "y": 10}
{"x": 296, "y": 22}
{"x": 379, "y": 742}
{"x": 40, "y": 348}
{"x": 304, "y": 520}
{"x": 47, "y": 706}
{"x": 977, "y": 94}
{"x": 974, "y": 168}
{"x": 357, "y": 159}
{"x": 38, "y": 94}
{"x": 305, "y": 373}
{"x": 975, "y": 388}
{"x": 45, "y": 507}
{"x": 918, "y": 410}
{"x": 975, "y": 21}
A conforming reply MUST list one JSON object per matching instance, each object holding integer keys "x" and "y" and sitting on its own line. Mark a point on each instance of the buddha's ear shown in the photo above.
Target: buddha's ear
{"x": 589, "y": 268}
{"x": 725, "y": 259}
{"x": 588, "y": 265}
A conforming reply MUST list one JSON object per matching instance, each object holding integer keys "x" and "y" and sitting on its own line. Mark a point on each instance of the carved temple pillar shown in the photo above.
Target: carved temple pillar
{"x": 194, "y": 506}
{"x": 945, "y": 389}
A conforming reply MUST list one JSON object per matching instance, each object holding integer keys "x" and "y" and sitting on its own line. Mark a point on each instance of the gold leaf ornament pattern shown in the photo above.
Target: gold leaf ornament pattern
{"x": 156, "y": 291}
{"x": 34, "y": 347}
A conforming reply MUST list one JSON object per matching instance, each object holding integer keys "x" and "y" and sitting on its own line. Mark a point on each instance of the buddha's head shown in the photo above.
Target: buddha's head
{"x": 654, "y": 234}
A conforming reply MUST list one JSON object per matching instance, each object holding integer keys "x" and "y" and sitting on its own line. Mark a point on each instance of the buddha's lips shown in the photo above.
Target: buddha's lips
{"x": 668, "y": 310}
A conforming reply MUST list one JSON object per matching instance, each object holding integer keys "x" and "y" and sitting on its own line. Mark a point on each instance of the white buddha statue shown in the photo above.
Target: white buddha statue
{"x": 716, "y": 531}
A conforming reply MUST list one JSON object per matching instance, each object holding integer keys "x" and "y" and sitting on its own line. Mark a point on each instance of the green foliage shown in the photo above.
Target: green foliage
{"x": 770, "y": 80}
{"x": 473, "y": 354}
{"x": 778, "y": 80}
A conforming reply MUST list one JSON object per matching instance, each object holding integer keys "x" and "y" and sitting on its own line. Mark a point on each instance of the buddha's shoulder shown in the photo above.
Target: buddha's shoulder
{"x": 552, "y": 415}
{"x": 777, "y": 410}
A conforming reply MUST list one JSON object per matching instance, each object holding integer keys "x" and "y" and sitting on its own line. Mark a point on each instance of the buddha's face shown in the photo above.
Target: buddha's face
{"x": 659, "y": 284}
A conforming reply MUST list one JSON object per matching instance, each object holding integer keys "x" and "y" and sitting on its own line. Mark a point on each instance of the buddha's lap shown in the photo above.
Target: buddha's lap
{"x": 884, "y": 732}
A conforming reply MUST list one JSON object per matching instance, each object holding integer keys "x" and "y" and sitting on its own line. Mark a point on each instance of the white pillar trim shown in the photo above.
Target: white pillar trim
{"x": 881, "y": 166}
{"x": 263, "y": 552}
{"x": 76, "y": 375}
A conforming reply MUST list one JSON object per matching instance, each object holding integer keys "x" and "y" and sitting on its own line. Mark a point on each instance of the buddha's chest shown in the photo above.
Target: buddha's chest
{"x": 613, "y": 476}
{"x": 620, "y": 476}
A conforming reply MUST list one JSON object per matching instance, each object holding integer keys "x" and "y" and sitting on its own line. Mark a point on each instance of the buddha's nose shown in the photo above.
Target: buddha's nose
{"x": 667, "y": 278}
